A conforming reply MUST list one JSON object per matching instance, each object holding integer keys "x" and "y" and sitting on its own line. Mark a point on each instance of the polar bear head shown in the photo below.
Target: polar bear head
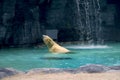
{"x": 48, "y": 41}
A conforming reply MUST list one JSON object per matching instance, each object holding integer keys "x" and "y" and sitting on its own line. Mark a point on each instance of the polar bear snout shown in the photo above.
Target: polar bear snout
{"x": 44, "y": 36}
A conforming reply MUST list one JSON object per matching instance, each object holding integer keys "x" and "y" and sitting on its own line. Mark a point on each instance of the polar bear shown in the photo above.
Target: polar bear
{"x": 53, "y": 46}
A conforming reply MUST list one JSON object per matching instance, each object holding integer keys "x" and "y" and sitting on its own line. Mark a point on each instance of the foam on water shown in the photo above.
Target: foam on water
{"x": 88, "y": 46}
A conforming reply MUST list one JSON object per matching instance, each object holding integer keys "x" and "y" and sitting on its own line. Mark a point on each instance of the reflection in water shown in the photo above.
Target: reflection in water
{"x": 56, "y": 58}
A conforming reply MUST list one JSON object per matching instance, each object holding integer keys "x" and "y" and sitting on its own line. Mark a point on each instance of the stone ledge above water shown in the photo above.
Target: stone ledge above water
{"x": 89, "y": 68}
{"x": 9, "y": 72}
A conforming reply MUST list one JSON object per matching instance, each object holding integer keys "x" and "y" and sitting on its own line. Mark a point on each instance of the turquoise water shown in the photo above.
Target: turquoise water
{"x": 28, "y": 58}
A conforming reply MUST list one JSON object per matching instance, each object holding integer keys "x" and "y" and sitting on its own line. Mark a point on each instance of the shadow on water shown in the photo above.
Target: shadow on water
{"x": 72, "y": 52}
{"x": 56, "y": 58}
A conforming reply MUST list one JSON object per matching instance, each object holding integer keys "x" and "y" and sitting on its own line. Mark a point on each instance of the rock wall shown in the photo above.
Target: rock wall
{"x": 22, "y": 22}
{"x": 110, "y": 11}
{"x": 19, "y": 22}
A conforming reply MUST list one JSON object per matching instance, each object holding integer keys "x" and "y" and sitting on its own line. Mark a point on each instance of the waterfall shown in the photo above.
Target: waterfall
{"x": 90, "y": 21}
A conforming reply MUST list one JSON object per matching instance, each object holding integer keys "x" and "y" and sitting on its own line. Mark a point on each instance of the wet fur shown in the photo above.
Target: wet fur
{"x": 53, "y": 46}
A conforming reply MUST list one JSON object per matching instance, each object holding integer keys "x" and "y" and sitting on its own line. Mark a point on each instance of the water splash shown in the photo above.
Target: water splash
{"x": 88, "y": 47}
{"x": 90, "y": 21}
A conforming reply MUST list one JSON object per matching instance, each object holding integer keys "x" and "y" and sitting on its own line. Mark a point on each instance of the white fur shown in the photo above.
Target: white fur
{"x": 53, "y": 46}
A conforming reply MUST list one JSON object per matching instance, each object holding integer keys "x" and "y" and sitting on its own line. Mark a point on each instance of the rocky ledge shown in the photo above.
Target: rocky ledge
{"x": 89, "y": 68}
{"x": 9, "y": 72}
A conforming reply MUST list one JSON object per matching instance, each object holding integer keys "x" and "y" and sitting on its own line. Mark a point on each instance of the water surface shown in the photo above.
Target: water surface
{"x": 28, "y": 58}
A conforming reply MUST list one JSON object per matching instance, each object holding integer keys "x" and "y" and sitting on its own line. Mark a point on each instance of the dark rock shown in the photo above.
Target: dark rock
{"x": 51, "y": 70}
{"x": 26, "y": 20}
{"x": 45, "y": 70}
{"x": 115, "y": 67}
{"x": 93, "y": 68}
{"x": 4, "y": 72}
{"x": 73, "y": 71}
{"x": 2, "y": 34}
{"x": 22, "y": 22}
{"x": 65, "y": 35}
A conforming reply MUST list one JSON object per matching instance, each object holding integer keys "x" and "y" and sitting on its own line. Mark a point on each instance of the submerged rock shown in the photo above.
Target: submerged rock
{"x": 93, "y": 68}
{"x": 115, "y": 67}
{"x": 90, "y": 68}
{"x": 45, "y": 70}
{"x": 4, "y": 72}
